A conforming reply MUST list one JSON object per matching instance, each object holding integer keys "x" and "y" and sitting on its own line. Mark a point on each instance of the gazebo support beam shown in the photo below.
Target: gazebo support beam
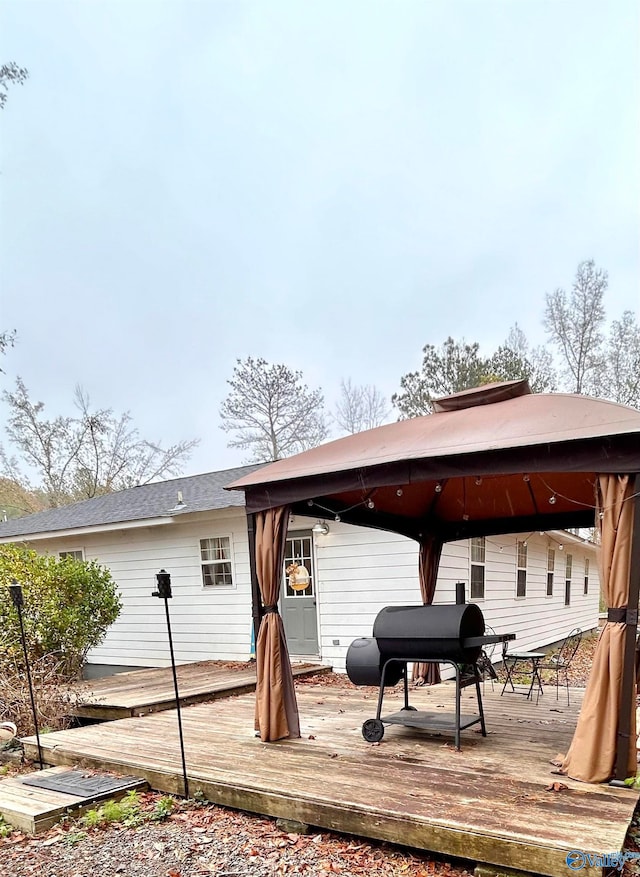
{"x": 627, "y": 699}
{"x": 522, "y": 524}
{"x": 256, "y": 600}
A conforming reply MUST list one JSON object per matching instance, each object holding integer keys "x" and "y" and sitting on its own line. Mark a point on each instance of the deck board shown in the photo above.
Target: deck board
{"x": 140, "y": 692}
{"x": 486, "y": 803}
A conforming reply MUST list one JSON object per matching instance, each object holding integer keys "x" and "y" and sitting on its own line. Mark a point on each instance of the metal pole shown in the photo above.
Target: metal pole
{"x": 164, "y": 591}
{"x": 18, "y": 601}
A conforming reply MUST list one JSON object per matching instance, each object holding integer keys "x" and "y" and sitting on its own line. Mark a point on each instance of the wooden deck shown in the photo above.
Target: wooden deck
{"x": 487, "y": 803}
{"x": 140, "y": 692}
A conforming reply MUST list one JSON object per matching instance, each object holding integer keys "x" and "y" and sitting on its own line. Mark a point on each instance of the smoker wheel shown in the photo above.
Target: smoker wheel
{"x": 410, "y": 709}
{"x": 373, "y": 730}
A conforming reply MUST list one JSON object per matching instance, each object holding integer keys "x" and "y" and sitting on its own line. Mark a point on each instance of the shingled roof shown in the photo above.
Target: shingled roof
{"x": 200, "y": 493}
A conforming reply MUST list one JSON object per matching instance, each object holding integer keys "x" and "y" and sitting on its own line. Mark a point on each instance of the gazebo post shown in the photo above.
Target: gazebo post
{"x": 256, "y": 599}
{"x": 627, "y": 700}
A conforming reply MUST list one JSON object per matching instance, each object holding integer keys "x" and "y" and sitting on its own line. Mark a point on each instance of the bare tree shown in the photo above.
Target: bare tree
{"x": 75, "y": 458}
{"x": 16, "y": 500}
{"x": 11, "y": 74}
{"x": 360, "y": 407}
{"x": 272, "y": 413}
{"x": 574, "y": 323}
{"x": 621, "y": 379}
{"x": 516, "y": 359}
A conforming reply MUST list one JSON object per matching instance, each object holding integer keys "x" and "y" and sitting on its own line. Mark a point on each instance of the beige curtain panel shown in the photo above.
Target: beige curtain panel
{"x": 592, "y": 755}
{"x": 428, "y": 563}
{"x": 276, "y": 707}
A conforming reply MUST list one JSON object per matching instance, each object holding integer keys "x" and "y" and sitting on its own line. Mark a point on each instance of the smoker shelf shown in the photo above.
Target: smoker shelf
{"x": 430, "y": 721}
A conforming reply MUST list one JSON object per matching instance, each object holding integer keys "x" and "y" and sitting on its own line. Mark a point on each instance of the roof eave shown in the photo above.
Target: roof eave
{"x": 86, "y": 531}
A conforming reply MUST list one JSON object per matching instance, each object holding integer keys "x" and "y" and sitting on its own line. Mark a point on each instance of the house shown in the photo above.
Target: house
{"x": 537, "y": 585}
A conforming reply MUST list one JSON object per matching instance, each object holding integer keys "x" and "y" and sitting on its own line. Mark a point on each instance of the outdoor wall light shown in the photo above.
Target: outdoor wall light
{"x": 321, "y": 528}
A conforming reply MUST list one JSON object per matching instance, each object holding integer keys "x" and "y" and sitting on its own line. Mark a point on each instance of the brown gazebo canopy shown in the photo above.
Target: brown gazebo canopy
{"x": 496, "y": 459}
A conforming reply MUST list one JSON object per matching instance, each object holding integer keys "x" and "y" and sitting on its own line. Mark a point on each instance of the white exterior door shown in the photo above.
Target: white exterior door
{"x": 298, "y": 607}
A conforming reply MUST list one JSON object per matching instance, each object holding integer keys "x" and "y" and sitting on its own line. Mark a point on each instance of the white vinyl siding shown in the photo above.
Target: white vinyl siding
{"x": 358, "y": 572}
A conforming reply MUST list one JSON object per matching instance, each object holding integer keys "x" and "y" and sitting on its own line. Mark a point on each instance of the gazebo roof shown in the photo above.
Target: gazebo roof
{"x": 492, "y": 459}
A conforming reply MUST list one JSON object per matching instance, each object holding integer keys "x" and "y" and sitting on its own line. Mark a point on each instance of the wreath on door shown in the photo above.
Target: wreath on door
{"x": 299, "y": 578}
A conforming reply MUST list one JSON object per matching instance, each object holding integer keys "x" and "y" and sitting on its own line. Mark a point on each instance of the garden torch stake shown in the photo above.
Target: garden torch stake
{"x": 18, "y": 601}
{"x": 163, "y": 579}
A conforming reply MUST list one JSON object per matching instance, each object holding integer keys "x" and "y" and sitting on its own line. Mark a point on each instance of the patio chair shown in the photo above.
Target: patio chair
{"x": 485, "y": 660}
{"x": 560, "y": 662}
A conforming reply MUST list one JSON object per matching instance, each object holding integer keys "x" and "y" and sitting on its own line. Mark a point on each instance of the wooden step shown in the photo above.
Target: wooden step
{"x": 34, "y": 810}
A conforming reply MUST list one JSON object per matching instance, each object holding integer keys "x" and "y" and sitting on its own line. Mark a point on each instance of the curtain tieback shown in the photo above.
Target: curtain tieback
{"x": 268, "y": 610}
{"x": 623, "y": 615}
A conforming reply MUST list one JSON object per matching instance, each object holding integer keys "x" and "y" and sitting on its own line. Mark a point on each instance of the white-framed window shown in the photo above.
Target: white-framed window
{"x": 478, "y": 554}
{"x": 216, "y": 561}
{"x": 586, "y": 575}
{"x": 551, "y": 565}
{"x": 521, "y": 572}
{"x": 567, "y": 579}
{"x": 76, "y": 554}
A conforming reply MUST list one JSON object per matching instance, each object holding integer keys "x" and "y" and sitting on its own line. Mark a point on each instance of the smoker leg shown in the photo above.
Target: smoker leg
{"x": 457, "y": 669}
{"x": 381, "y": 692}
{"x": 406, "y": 706}
{"x": 479, "y": 694}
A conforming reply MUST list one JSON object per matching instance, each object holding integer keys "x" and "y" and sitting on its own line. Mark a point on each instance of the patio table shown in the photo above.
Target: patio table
{"x": 533, "y": 659}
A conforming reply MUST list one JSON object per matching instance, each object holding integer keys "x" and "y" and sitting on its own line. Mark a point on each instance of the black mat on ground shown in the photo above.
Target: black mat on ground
{"x": 80, "y": 784}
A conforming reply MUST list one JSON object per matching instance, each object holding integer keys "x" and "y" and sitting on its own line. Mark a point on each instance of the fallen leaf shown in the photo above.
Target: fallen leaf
{"x": 556, "y": 787}
{"x": 312, "y": 736}
{"x": 333, "y": 755}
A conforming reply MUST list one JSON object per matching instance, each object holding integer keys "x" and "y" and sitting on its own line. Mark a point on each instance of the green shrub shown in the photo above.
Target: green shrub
{"x": 69, "y": 605}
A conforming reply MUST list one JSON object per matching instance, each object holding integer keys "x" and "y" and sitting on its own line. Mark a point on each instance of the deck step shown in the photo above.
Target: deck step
{"x": 34, "y": 809}
{"x": 141, "y": 692}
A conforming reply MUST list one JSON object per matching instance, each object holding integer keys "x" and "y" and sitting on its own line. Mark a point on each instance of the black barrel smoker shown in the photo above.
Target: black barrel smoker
{"x": 448, "y": 634}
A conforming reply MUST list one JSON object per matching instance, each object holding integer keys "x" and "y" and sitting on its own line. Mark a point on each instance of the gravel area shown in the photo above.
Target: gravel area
{"x": 199, "y": 840}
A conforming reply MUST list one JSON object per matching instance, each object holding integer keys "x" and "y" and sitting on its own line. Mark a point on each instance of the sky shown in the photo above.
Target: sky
{"x": 329, "y": 185}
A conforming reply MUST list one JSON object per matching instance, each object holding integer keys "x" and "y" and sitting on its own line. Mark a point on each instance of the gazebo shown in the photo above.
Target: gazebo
{"x": 491, "y": 460}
